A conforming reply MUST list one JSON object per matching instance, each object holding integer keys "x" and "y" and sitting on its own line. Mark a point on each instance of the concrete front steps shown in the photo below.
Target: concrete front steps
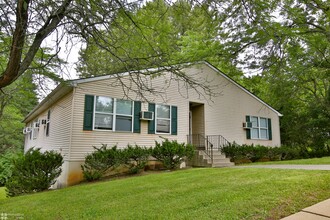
{"x": 201, "y": 159}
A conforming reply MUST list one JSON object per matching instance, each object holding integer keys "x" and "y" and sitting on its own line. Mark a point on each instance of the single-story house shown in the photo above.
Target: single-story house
{"x": 83, "y": 113}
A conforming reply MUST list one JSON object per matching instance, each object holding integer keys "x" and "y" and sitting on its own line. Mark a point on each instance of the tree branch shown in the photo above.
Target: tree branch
{"x": 16, "y": 50}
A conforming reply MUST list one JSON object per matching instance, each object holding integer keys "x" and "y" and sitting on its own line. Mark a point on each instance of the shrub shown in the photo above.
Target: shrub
{"x": 6, "y": 165}
{"x": 136, "y": 158}
{"x": 34, "y": 172}
{"x": 248, "y": 152}
{"x": 100, "y": 161}
{"x": 171, "y": 153}
{"x": 261, "y": 153}
{"x": 291, "y": 153}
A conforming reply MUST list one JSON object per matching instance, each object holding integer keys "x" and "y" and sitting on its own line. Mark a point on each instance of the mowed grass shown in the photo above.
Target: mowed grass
{"x": 312, "y": 161}
{"x": 203, "y": 193}
{"x": 2, "y": 193}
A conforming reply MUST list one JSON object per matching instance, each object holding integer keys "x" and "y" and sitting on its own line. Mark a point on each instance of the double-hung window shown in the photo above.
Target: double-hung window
{"x": 260, "y": 128}
{"x": 124, "y": 117}
{"x": 103, "y": 113}
{"x": 35, "y": 129}
{"x": 163, "y": 119}
{"x": 113, "y": 114}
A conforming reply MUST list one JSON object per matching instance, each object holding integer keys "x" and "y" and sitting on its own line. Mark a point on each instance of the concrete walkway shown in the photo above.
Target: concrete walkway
{"x": 286, "y": 166}
{"x": 319, "y": 211}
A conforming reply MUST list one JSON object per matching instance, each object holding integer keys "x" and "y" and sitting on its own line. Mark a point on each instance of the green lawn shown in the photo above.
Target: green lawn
{"x": 188, "y": 194}
{"x": 2, "y": 193}
{"x": 323, "y": 160}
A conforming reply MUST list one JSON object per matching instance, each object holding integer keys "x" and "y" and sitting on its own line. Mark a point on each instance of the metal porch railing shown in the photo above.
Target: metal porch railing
{"x": 208, "y": 144}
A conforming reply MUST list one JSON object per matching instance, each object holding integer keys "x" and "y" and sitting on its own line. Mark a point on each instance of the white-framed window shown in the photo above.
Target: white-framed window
{"x": 30, "y": 133}
{"x": 259, "y": 129}
{"x": 113, "y": 114}
{"x": 35, "y": 129}
{"x": 163, "y": 119}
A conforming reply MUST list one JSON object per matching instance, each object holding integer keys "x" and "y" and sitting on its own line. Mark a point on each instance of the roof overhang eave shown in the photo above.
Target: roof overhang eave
{"x": 60, "y": 91}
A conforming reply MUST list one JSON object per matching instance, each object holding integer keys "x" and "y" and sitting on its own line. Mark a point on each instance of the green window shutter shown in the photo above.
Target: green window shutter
{"x": 151, "y": 123}
{"x": 88, "y": 113}
{"x": 174, "y": 120}
{"x": 248, "y": 131}
{"x": 136, "y": 121}
{"x": 270, "y": 136}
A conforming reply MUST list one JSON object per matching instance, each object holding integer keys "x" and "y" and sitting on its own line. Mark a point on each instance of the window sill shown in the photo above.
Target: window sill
{"x": 259, "y": 139}
{"x": 163, "y": 133}
{"x": 112, "y": 131}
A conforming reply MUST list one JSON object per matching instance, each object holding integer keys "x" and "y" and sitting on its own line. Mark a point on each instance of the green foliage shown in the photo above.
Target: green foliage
{"x": 172, "y": 153}
{"x": 6, "y": 165}
{"x": 250, "y": 152}
{"x": 34, "y": 172}
{"x": 16, "y": 101}
{"x": 136, "y": 157}
{"x": 257, "y": 153}
{"x": 163, "y": 33}
{"x": 98, "y": 163}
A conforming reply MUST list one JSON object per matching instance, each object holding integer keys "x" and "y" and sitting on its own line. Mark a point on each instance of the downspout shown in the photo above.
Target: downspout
{"x": 74, "y": 85}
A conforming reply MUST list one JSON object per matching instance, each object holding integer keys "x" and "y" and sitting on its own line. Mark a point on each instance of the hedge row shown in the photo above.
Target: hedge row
{"x": 105, "y": 159}
{"x": 258, "y": 153}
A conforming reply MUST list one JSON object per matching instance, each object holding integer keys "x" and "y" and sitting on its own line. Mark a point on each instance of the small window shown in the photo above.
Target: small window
{"x": 35, "y": 129}
{"x": 163, "y": 119}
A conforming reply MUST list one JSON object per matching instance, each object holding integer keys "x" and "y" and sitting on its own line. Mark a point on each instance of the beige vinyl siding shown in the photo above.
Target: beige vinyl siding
{"x": 224, "y": 114}
{"x": 59, "y": 131}
{"x": 82, "y": 141}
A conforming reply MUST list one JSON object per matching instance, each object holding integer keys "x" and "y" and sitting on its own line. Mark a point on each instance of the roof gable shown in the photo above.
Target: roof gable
{"x": 241, "y": 87}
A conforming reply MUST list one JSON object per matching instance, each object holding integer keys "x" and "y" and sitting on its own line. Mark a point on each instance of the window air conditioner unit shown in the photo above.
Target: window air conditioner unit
{"x": 247, "y": 125}
{"x": 146, "y": 115}
{"x": 27, "y": 130}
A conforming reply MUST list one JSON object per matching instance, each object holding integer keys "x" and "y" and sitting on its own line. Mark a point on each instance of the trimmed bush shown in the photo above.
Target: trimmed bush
{"x": 171, "y": 153}
{"x": 136, "y": 157}
{"x": 238, "y": 153}
{"x": 98, "y": 163}
{"x": 34, "y": 172}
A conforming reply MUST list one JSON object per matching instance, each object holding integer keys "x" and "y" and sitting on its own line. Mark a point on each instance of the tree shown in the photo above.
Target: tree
{"x": 290, "y": 50}
{"x": 88, "y": 21}
{"x": 17, "y": 63}
{"x": 285, "y": 42}
{"x": 20, "y": 97}
{"x": 168, "y": 33}
{"x": 15, "y": 102}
